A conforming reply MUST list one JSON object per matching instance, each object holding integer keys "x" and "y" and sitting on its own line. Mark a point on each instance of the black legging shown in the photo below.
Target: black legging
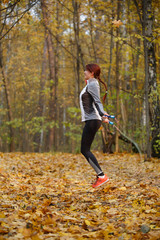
{"x": 89, "y": 132}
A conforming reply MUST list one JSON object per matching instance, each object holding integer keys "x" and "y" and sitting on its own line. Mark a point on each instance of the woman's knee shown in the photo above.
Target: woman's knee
{"x": 84, "y": 150}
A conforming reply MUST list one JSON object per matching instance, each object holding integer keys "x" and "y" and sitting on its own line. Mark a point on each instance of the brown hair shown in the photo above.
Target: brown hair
{"x": 96, "y": 70}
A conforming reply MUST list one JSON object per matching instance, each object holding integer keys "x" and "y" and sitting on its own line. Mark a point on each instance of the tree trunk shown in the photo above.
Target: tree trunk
{"x": 117, "y": 73}
{"x": 8, "y": 104}
{"x": 56, "y": 73}
{"x": 91, "y": 32}
{"x": 152, "y": 106}
{"x": 124, "y": 59}
{"x": 51, "y": 58}
{"x": 110, "y": 58}
{"x": 7, "y": 95}
{"x": 39, "y": 137}
{"x": 76, "y": 6}
{"x": 151, "y": 98}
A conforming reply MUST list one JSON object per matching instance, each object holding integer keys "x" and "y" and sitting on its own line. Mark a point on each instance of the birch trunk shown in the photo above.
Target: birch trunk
{"x": 151, "y": 98}
{"x": 42, "y": 106}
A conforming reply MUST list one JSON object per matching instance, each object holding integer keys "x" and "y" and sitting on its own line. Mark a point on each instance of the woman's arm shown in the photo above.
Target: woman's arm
{"x": 94, "y": 90}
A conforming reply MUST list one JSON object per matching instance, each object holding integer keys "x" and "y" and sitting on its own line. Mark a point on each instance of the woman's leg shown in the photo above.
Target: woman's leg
{"x": 89, "y": 132}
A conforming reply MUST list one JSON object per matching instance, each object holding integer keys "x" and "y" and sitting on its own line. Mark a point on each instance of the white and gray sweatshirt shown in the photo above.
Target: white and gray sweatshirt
{"x": 90, "y": 103}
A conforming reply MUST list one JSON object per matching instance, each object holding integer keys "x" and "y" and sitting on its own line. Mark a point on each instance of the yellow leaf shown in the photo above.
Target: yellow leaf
{"x": 50, "y": 221}
{"x": 150, "y": 211}
{"x": 36, "y": 237}
{"x": 49, "y": 229}
{"x": 74, "y": 229}
{"x": 112, "y": 211}
{"x": 156, "y": 190}
{"x": 26, "y": 232}
{"x": 27, "y": 215}
{"x": 47, "y": 202}
{"x": 122, "y": 189}
{"x": 2, "y": 215}
{"x": 110, "y": 229}
{"x": 87, "y": 223}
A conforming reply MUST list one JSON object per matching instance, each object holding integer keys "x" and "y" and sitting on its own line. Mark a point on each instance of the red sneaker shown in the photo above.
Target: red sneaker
{"x": 100, "y": 181}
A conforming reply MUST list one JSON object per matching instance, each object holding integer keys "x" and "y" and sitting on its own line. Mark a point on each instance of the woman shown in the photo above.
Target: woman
{"x": 92, "y": 114}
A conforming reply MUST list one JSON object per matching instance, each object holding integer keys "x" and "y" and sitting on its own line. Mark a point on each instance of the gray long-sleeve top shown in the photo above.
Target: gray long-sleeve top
{"x": 90, "y": 103}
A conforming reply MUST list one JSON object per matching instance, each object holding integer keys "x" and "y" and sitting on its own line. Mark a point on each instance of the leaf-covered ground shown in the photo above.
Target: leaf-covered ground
{"x": 47, "y": 196}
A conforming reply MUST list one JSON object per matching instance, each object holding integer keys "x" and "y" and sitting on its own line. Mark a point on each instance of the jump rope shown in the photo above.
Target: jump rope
{"x": 129, "y": 139}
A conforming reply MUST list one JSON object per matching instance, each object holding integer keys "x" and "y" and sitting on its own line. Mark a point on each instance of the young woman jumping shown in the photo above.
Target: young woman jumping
{"x": 92, "y": 114}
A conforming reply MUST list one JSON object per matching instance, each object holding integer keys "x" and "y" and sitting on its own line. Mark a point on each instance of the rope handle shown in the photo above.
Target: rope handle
{"x": 112, "y": 117}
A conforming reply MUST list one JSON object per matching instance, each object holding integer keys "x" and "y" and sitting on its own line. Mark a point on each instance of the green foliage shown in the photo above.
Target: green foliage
{"x": 156, "y": 146}
{"x": 74, "y": 112}
{"x": 35, "y": 125}
{"x": 16, "y": 123}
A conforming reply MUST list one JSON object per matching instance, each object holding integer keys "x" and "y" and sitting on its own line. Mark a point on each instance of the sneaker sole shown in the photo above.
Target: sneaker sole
{"x": 102, "y": 183}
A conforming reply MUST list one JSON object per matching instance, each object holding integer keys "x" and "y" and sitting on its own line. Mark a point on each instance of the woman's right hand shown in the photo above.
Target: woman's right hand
{"x": 105, "y": 118}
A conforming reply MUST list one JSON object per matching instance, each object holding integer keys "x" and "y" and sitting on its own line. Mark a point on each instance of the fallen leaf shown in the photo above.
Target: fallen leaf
{"x": 49, "y": 196}
{"x": 122, "y": 189}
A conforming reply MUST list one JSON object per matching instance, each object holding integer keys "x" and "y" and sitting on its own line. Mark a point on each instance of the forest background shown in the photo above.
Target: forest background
{"x": 44, "y": 47}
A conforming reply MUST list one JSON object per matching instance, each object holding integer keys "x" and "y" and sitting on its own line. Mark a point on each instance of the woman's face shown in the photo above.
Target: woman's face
{"x": 88, "y": 74}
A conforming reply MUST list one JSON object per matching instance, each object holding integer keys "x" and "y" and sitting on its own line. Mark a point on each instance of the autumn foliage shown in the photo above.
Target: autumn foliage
{"x": 49, "y": 196}
{"x": 44, "y": 47}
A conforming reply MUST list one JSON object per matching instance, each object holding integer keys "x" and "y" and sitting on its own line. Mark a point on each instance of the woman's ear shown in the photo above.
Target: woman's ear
{"x": 92, "y": 74}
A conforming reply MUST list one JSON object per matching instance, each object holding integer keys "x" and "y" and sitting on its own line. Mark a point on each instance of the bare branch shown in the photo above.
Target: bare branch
{"x": 10, "y": 5}
{"x": 124, "y": 41}
{"x": 138, "y": 10}
{"x": 6, "y": 14}
{"x": 65, "y": 48}
{"x": 65, "y": 6}
{"x": 18, "y": 20}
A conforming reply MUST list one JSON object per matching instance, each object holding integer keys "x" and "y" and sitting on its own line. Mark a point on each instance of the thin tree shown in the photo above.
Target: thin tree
{"x": 6, "y": 90}
{"x": 76, "y": 7}
{"x": 51, "y": 59}
{"x": 117, "y": 72}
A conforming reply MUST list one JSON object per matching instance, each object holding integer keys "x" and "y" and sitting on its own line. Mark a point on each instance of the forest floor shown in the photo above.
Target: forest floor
{"x": 49, "y": 196}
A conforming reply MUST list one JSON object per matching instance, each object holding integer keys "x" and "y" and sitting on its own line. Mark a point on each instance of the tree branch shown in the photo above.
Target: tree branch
{"x": 65, "y": 48}
{"x": 138, "y": 11}
{"x": 18, "y": 20}
{"x": 124, "y": 41}
{"x": 65, "y": 6}
{"x": 10, "y": 5}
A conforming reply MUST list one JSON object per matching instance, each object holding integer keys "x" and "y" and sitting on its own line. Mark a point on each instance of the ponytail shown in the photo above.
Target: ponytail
{"x": 105, "y": 95}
